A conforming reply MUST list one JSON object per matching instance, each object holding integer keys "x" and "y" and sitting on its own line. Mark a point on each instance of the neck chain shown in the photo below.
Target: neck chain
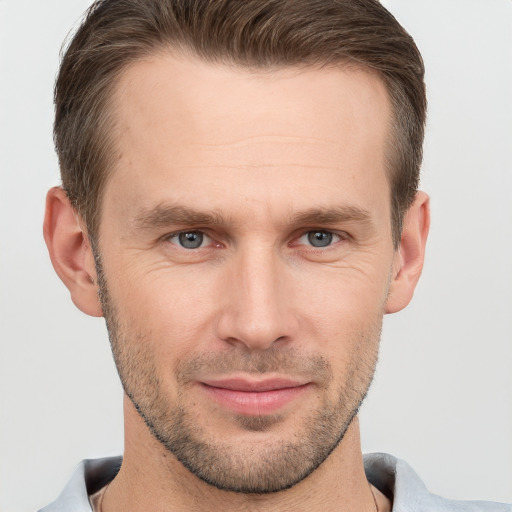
{"x": 374, "y": 498}
{"x": 100, "y": 502}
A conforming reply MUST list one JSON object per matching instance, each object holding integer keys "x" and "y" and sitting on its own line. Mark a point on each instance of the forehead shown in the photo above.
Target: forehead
{"x": 188, "y": 96}
{"x": 181, "y": 122}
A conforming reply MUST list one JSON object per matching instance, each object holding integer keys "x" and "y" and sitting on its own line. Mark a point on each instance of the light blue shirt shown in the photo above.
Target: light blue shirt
{"x": 390, "y": 475}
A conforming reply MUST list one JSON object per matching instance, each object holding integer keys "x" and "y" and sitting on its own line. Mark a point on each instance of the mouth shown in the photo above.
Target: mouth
{"x": 254, "y": 397}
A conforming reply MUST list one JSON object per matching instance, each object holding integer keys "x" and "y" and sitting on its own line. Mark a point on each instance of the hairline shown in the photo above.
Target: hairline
{"x": 113, "y": 92}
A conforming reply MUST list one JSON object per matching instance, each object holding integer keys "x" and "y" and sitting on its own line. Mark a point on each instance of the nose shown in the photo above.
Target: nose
{"x": 256, "y": 308}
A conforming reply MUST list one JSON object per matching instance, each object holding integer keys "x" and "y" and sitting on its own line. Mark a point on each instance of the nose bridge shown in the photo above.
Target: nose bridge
{"x": 256, "y": 313}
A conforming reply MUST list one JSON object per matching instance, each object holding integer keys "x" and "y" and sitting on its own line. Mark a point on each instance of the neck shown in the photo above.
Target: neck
{"x": 151, "y": 478}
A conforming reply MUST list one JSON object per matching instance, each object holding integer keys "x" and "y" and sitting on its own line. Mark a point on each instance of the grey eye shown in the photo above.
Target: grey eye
{"x": 191, "y": 239}
{"x": 320, "y": 238}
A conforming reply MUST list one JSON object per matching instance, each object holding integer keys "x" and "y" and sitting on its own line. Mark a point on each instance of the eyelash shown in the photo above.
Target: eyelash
{"x": 176, "y": 236}
{"x": 335, "y": 238}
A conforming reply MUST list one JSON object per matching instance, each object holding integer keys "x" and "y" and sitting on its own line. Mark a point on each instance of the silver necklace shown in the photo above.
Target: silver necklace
{"x": 374, "y": 498}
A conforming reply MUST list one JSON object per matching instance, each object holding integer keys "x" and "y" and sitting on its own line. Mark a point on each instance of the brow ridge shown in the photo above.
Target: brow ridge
{"x": 167, "y": 214}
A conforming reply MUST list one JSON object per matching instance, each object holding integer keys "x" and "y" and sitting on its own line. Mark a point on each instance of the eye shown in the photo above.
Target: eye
{"x": 190, "y": 239}
{"x": 319, "y": 238}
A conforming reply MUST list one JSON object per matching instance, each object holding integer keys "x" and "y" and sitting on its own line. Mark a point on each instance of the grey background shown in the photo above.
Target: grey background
{"x": 442, "y": 398}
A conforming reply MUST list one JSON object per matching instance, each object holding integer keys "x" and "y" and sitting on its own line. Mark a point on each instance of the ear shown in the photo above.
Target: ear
{"x": 70, "y": 251}
{"x": 410, "y": 255}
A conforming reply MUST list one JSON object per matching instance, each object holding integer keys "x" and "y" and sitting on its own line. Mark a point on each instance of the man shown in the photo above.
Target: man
{"x": 240, "y": 203}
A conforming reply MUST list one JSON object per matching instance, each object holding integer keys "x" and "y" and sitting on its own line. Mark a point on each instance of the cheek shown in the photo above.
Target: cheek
{"x": 170, "y": 309}
{"x": 343, "y": 313}
{"x": 344, "y": 298}
{"x": 175, "y": 308}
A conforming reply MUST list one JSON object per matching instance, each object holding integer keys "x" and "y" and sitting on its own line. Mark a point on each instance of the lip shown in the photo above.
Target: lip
{"x": 254, "y": 397}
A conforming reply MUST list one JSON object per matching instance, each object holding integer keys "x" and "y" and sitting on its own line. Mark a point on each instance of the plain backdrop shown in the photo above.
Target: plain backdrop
{"x": 442, "y": 397}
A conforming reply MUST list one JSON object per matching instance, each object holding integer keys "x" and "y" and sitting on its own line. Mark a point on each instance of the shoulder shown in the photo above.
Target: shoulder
{"x": 396, "y": 479}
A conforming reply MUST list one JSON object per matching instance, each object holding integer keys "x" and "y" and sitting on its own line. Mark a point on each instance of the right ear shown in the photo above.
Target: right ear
{"x": 70, "y": 251}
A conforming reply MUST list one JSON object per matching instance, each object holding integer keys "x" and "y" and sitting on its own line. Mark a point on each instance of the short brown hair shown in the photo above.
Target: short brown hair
{"x": 251, "y": 33}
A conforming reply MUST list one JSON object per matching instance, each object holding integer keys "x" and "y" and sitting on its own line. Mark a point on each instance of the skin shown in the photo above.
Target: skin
{"x": 270, "y": 157}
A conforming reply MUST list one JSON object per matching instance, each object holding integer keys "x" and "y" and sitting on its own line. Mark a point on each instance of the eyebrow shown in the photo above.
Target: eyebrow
{"x": 332, "y": 215}
{"x": 165, "y": 215}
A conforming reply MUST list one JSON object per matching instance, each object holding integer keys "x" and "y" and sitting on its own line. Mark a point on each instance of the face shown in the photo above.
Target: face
{"x": 245, "y": 256}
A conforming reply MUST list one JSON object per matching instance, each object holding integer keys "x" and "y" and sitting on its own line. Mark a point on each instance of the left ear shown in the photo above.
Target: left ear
{"x": 410, "y": 255}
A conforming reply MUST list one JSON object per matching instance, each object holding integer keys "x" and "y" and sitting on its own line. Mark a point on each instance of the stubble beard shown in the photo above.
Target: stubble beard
{"x": 256, "y": 468}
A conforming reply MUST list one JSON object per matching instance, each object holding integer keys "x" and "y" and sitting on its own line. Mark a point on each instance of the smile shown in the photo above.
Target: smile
{"x": 254, "y": 398}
